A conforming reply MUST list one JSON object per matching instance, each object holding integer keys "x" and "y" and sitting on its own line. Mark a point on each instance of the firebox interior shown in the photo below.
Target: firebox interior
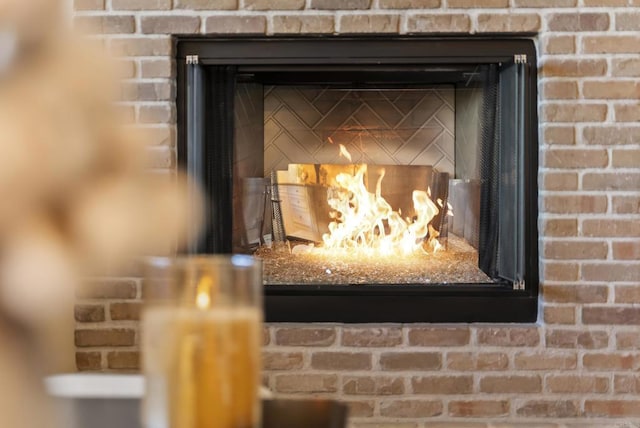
{"x": 407, "y": 123}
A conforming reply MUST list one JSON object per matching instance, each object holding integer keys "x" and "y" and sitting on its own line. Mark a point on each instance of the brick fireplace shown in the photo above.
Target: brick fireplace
{"x": 580, "y": 360}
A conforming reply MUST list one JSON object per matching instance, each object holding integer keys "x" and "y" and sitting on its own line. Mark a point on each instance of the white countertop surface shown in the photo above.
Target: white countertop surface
{"x": 99, "y": 385}
{"x": 95, "y": 385}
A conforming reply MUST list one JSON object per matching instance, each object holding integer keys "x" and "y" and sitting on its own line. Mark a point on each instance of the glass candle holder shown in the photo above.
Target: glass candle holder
{"x": 201, "y": 339}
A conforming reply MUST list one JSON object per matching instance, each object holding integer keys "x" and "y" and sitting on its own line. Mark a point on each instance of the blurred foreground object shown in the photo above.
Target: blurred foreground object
{"x": 201, "y": 337}
{"x": 76, "y": 198}
{"x": 308, "y": 413}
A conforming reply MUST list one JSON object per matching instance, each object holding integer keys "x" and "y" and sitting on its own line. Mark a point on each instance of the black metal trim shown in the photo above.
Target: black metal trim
{"x": 239, "y": 50}
{"x": 399, "y": 307}
{"x": 532, "y": 278}
{"x": 219, "y": 158}
{"x": 479, "y": 289}
{"x": 386, "y": 303}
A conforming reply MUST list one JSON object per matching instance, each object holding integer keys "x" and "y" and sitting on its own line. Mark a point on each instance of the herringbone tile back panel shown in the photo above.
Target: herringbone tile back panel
{"x": 384, "y": 127}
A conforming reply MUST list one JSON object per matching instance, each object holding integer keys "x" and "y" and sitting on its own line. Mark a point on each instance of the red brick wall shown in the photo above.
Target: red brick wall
{"x": 581, "y": 360}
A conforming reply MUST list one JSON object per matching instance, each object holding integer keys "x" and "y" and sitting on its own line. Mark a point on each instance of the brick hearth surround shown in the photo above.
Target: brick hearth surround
{"x": 580, "y": 364}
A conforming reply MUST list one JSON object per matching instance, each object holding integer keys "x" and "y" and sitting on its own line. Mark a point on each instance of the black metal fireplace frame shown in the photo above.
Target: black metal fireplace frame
{"x": 491, "y": 302}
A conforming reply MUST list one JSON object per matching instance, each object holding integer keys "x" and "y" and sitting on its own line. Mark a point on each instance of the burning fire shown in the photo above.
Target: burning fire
{"x": 203, "y": 293}
{"x": 365, "y": 222}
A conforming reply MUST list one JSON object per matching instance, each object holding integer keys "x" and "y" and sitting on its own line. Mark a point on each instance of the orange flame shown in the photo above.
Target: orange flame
{"x": 365, "y": 222}
{"x": 344, "y": 152}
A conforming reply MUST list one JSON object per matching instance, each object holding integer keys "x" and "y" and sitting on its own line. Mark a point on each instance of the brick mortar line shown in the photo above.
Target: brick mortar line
{"x": 152, "y": 126}
{"x": 607, "y": 79}
{"x": 603, "y": 192}
{"x": 379, "y": 12}
{"x": 381, "y": 349}
{"x": 165, "y": 103}
{"x": 206, "y": 13}
{"x": 314, "y": 326}
{"x": 550, "y": 422}
{"x": 403, "y": 25}
{"x": 160, "y": 148}
{"x": 104, "y": 300}
{"x": 580, "y": 216}
{"x": 473, "y": 350}
{"x": 87, "y": 327}
{"x": 586, "y": 239}
{"x": 594, "y": 124}
{"x": 592, "y": 283}
{"x": 615, "y": 125}
{"x": 611, "y": 330}
{"x": 582, "y": 192}
{"x": 614, "y": 262}
{"x": 343, "y": 376}
{"x": 514, "y": 396}
{"x": 145, "y": 57}
{"x": 609, "y": 192}
{"x": 605, "y": 170}
{"x": 156, "y": 80}
{"x": 127, "y": 348}
{"x": 545, "y": 12}
{"x": 377, "y": 351}
{"x": 136, "y": 36}
{"x": 405, "y": 14}
{"x": 578, "y": 79}
{"x": 584, "y": 101}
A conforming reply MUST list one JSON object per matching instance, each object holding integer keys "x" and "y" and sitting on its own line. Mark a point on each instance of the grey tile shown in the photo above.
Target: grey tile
{"x": 327, "y": 99}
{"x": 386, "y": 111}
{"x": 429, "y": 156}
{"x": 422, "y": 112}
{"x": 273, "y": 158}
{"x": 379, "y": 157}
{"x": 338, "y": 115}
{"x": 271, "y": 130}
{"x": 448, "y": 95}
{"x": 445, "y": 165}
{"x": 408, "y": 100}
{"x": 299, "y": 132}
{"x": 299, "y": 105}
{"x": 311, "y": 93}
{"x": 447, "y": 117}
{"x": 446, "y": 144}
{"x": 407, "y": 154}
{"x": 377, "y": 127}
{"x": 370, "y": 119}
{"x": 271, "y": 104}
{"x": 292, "y": 149}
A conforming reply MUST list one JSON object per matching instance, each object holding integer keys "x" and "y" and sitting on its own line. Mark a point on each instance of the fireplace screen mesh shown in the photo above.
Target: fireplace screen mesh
{"x": 376, "y": 182}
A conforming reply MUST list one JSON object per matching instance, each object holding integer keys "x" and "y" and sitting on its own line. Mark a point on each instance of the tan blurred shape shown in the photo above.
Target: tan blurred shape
{"x": 74, "y": 189}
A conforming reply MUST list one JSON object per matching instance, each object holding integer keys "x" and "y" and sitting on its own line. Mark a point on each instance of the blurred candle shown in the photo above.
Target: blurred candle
{"x": 211, "y": 350}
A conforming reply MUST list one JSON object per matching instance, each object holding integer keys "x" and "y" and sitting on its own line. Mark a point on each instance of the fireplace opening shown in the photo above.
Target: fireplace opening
{"x": 379, "y": 179}
{"x": 363, "y": 182}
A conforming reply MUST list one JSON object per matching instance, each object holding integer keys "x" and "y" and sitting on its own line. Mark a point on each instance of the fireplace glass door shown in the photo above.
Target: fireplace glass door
{"x": 357, "y": 176}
